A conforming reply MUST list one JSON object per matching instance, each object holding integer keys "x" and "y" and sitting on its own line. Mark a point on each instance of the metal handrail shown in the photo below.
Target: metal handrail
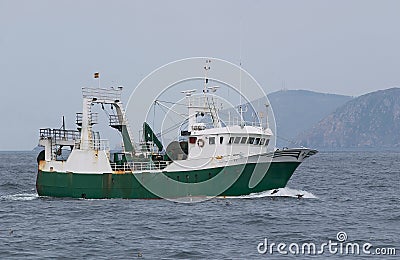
{"x": 59, "y": 134}
{"x": 115, "y": 120}
{"x": 237, "y": 121}
{"x": 198, "y": 101}
{"x": 139, "y": 166}
{"x": 97, "y": 144}
{"x": 93, "y": 118}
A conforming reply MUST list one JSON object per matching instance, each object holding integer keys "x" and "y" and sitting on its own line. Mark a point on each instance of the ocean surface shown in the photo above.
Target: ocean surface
{"x": 352, "y": 192}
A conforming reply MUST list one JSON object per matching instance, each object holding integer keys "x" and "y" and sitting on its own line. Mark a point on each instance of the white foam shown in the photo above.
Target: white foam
{"x": 282, "y": 192}
{"x": 21, "y": 196}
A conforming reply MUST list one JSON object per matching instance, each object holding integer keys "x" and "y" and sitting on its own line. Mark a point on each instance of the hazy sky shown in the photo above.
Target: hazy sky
{"x": 50, "y": 49}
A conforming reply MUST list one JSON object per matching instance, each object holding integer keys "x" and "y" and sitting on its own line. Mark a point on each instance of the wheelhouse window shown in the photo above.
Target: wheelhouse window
{"x": 211, "y": 140}
{"x": 246, "y": 139}
{"x": 251, "y": 140}
{"x": 221, "y": 139}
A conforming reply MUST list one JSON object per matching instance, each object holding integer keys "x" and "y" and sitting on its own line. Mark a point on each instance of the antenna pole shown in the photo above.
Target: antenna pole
{"x": 63, "y": 126}
{"x": 206, "y": 68}
{"x": 240, "y": 81}
{"x": 240, "y": 65}
{"x": 240, "y": 94}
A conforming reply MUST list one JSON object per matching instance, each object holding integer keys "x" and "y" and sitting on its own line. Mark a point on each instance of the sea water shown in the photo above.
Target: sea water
{"x": 333, "y": 197}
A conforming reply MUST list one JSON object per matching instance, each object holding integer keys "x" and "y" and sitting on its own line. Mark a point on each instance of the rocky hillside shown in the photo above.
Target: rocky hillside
{"x": 369, "y": 121}
{"x": 298, "y": 110}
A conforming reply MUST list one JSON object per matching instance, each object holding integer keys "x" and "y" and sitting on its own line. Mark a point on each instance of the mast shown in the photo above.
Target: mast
{"x": 211, "y": 106}
{"x": 206, "y": 68}
{"x": 266, "y": 115}
{"x": 240, "y": 92}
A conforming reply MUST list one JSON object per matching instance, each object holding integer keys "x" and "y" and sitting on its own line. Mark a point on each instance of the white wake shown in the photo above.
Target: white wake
{"x": 21, "y": 196}
{"x": 282, "y": 192}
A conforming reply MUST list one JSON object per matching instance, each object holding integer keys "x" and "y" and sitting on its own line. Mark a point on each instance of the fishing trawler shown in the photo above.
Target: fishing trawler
{"x": 214, "y": 158}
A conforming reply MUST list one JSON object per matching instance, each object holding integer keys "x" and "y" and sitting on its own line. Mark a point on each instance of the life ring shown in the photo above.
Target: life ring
{"x": 200, "y": 142}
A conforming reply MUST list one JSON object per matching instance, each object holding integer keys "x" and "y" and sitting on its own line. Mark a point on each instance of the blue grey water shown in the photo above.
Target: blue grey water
{"x": 352, "y": 192}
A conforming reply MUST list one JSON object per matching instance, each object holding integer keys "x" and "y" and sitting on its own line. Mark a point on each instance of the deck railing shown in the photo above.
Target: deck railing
{"x": 59, "y": 134}
{"x": 115, "y": 120}
{"x": 97, "y": 144}
{"x": 93, "y": 118}
{"x": 140, "y": 166}
{"x": 73, "y": 137}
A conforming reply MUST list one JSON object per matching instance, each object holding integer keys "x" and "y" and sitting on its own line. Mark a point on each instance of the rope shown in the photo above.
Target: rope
{"x": 169, "y": 129}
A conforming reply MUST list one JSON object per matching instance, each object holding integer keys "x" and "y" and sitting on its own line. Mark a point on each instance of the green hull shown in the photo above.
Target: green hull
{"x": 101, "y": 186}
